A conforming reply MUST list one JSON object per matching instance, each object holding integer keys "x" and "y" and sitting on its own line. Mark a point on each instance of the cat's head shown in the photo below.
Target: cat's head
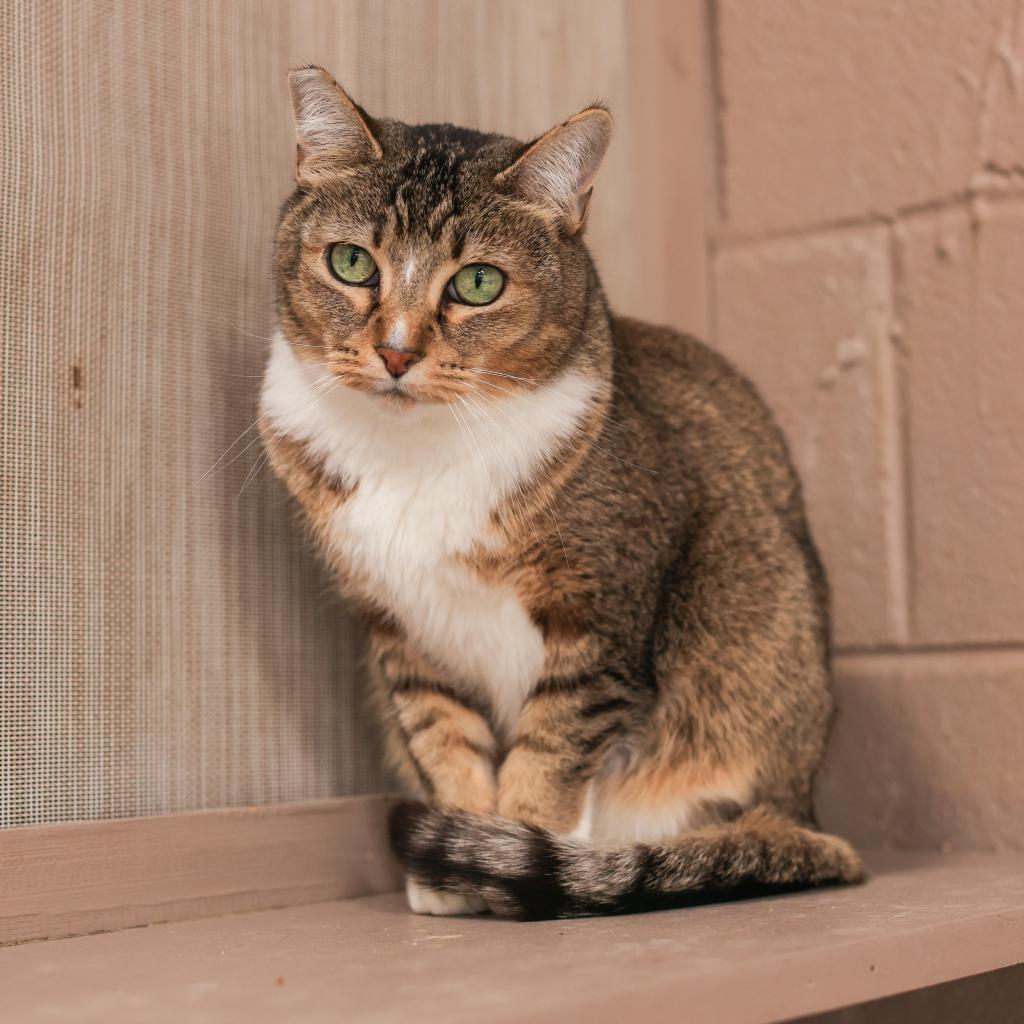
{"x": 424, "y": 263}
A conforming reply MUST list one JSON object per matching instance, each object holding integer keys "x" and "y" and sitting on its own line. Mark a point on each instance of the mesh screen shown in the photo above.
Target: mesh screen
{"x": 168, "y": 639}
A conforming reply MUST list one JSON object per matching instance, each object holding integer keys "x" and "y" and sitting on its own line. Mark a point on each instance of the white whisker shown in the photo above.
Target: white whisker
{"x": 516, "y": 485}
{"x": 325, "y": 385}
{"x": 519, "y": 488}
{"x": 252, "y": 426}
{"x": 469, "y": 435}
{"x": 579, "y": 432}
{"x": 495, "y": 404}
{"x": 510, "y": 376}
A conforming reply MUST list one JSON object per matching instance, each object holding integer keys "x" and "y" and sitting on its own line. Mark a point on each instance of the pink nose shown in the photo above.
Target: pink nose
{"x": 397, "y": 360}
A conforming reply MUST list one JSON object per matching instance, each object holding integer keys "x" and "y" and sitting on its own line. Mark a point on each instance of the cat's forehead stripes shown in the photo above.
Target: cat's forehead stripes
{"x": 413, "y": 257}
{"x": 424, "y": 190}
{"x": 448, "y": 208}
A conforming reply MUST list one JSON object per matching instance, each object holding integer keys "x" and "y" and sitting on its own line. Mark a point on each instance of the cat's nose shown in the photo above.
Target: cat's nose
{"x": 397, "y": 360}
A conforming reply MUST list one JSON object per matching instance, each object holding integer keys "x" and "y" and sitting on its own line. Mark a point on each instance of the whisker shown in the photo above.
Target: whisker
{"x": 253, "y": 472}
{"x": 490, "y": 401}
{"x": 224, "y": 454}
{"x": 479, "y": 452}
{"x": 573, "y": 469}
{"x": 510, "y": 376}
{"x": 264, "y": 457}
{"x": 509, "y": 466}
{"x": 251, "y": 426}
{"x": 235, "y": 457}
{"x": 270, "y": 341}
{"x": 608, "y": 417}
{"x": 250, "y": 334}
{"x": 560, "y": 538}
{"x": 458, "y": 423}
{"x": 615, "y": 387}
{"x": 645, "y": 469}
{"x": 589, "y": 337}
{"x": 520, "y": 491}
{"x": 579, "y": 433}
{"x": 515, "y": 492}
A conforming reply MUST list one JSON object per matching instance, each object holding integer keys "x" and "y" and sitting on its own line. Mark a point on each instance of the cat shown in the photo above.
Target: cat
{"x": 598, "y": 626}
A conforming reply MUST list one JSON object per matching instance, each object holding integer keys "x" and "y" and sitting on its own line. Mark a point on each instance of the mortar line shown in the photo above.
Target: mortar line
{"x": 715, "y": 140}
{"x": 969, "y": 647}
{"x": 735, "y": 240}
{"x": 899, "y": 453}
{"x": 711, "y": 287}
{"x": 715, "y": 93}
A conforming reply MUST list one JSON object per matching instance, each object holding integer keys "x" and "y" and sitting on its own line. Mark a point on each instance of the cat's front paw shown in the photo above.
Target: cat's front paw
{"x": 424, "y": 900}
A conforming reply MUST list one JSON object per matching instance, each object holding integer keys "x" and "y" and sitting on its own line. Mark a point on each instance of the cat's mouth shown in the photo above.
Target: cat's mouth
{"x": 395, "y": 393}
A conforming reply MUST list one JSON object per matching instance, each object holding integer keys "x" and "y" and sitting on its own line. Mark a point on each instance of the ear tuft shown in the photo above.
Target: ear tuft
{"x": 558, "y": 169}
{"x": 327, "y": 122}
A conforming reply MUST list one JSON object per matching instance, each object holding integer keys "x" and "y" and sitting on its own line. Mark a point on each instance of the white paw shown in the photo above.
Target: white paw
{"x": 423, "y": 900}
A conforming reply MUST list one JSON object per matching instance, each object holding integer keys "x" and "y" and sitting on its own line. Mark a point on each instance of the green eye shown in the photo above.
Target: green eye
{"x": 351, "y": 264}
{"x": 477, "y": 285}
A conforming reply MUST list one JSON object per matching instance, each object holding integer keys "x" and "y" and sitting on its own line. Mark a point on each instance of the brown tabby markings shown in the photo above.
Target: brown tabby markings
{"x": 661, "y": 548}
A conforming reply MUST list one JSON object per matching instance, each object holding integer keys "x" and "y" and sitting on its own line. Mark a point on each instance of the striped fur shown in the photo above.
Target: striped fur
{"x": 598, "y": 625}
{"x": 528, "y": 873}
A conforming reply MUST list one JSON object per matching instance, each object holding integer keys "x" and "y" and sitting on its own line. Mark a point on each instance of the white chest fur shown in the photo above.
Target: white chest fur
{"x": 427, "y": 479}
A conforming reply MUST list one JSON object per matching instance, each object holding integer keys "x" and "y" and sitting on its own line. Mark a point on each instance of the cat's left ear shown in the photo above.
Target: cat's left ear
{"x": 558, "y": 169}
{"x": 328, "y": 124}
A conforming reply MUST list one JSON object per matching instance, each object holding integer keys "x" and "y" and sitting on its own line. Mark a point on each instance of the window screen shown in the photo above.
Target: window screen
{"x": 167, "y": 638}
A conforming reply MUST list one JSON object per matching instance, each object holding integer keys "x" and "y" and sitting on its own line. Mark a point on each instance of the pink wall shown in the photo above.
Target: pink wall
{"x": 868, "y": 272}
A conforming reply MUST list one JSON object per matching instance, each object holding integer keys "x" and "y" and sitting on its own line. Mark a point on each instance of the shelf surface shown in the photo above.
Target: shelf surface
{"x": 921, "y": 920}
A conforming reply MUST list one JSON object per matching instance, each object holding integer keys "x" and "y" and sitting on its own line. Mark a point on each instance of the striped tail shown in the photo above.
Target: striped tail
{"x": 526, "y": 872}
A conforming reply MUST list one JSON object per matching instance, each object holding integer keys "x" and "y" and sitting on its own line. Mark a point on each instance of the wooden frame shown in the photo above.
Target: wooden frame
{"x": 70, "y": 879}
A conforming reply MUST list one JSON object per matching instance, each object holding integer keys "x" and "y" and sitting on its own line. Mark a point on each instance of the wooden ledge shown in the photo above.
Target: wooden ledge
{"x": 73, "y": 879}
{"x": 922, "y": 920}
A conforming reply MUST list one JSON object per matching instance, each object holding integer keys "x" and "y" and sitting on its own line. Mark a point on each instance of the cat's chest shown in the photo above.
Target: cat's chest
{"x": 409, "y": 531}
{"x": 407, "y": 539}
{"x": 403, "y": 521}
{"x": 422, "y": 490}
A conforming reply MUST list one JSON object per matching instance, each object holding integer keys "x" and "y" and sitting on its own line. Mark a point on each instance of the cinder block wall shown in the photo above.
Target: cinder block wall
{"x": 868, "y": 271}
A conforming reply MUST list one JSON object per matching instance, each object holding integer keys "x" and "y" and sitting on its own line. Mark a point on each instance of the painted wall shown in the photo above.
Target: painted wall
{"x": 832, "y": 193}
{"x": 868, "y": 272}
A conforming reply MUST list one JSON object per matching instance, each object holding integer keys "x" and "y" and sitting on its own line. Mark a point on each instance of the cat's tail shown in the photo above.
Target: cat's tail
{"x": 526, "y": 872}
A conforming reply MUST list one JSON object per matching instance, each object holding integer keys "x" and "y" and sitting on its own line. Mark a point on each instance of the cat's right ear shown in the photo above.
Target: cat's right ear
{"x": 330, "y": 128}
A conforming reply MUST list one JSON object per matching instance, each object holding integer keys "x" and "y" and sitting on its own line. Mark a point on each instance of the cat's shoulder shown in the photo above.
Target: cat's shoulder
{"x": 681, "y": 371}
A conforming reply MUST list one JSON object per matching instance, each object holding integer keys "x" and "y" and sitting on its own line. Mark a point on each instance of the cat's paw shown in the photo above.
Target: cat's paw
{"x": 424, "y": 900}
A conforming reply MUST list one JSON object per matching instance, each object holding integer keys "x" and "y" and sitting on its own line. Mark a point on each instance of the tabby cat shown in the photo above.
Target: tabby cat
{"x": 598, "y": 625}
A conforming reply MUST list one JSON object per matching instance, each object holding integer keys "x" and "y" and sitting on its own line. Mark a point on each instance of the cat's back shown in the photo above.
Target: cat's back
{"x": 711, "y": 422}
